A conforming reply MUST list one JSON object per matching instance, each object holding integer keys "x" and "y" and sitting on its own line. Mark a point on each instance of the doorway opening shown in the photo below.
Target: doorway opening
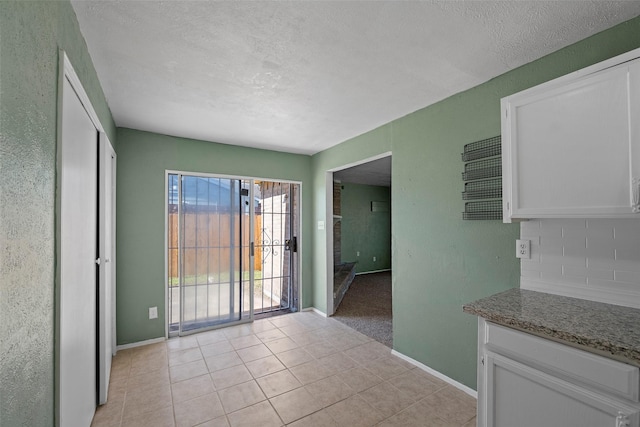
{"x": 232, "y": 247}
{"x": 361, "y": 247}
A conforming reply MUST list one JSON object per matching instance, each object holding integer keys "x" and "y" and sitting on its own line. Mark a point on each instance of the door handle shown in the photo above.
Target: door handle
{"x": 291, "y": 244}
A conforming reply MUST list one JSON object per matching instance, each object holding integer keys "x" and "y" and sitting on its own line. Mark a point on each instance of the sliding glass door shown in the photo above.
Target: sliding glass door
{"x": 209, "y": 237}
{"x": 215, "y": 271}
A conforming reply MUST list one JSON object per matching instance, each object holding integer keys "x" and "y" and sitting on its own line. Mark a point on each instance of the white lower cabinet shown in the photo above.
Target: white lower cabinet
{"x": 527, "y": 381}
{"x": 518, "y": 395}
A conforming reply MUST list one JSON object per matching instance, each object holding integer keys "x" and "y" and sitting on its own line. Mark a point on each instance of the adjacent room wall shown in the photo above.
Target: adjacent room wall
{"x": 30, "y": 35}
{"x": 365, "y": 231}
{"x": 439, "y": 261}
{"x": 143, "y": 158}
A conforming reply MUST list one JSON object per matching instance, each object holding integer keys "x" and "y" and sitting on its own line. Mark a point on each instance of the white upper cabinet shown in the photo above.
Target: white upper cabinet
{"x": 571, "y": 147}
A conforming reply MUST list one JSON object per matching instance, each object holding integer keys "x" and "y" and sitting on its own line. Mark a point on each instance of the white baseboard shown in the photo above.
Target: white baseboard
{"x": 139, "y": 343}
{"x": 374, "y": 271}
{"x": 471, "y": 392}
{"x": 315, "y": 310}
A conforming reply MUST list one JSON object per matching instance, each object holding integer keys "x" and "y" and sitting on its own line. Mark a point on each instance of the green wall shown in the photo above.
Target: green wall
{"x": 143, "y": 158}
{"x": 439, "y": 261}
{"x": 364, "y": 231}
{"x": 30, "y": 35}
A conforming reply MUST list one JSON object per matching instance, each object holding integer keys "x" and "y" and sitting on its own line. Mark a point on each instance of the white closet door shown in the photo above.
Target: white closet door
{"x": 77, "y": 308}
{"x": 106, "y": 293}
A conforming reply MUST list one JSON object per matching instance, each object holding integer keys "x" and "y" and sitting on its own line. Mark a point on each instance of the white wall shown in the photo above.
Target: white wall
{"x": 596, "y": 259}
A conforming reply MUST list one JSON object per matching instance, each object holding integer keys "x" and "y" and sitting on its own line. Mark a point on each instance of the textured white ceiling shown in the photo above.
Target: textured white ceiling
{"x": 303, "y": 76}
{"x": 376, "y": 172}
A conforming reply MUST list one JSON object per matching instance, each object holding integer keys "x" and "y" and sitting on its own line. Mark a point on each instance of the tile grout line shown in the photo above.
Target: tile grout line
{"x": 297, "y": 328}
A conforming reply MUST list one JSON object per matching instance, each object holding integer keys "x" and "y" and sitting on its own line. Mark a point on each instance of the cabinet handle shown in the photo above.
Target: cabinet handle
{"x": 622, "y": 420}
{"x": 635, "y": 187}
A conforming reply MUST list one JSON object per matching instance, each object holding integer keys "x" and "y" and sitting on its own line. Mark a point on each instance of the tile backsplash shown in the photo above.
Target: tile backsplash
{"x": 595, "y": 259}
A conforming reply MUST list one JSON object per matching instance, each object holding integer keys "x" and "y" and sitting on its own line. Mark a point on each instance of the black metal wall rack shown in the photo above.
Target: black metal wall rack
{"x": 483, "y": 179}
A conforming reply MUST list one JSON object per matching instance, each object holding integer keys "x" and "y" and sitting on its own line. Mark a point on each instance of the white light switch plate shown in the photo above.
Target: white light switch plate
{"x": 320, "y": 225}
{"x": 153, "y": 312}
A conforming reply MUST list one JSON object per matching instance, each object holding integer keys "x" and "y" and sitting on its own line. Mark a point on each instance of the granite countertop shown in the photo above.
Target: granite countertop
{"x": 605, "y": 329}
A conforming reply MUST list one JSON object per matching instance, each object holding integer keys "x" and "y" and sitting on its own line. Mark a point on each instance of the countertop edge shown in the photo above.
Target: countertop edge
{"x": 598, "y": 346}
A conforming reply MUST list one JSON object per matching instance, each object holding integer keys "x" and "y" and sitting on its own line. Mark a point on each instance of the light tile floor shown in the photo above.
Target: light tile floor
{"x": 299, "y": 370}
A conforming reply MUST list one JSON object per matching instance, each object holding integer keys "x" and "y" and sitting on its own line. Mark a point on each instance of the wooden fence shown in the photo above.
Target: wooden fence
{"x": 207, "y": 236}
{"x": 210, "y": 233}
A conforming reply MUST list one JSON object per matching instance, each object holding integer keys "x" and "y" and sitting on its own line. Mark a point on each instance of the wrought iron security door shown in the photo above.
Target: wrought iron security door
{"x": 276, "y": 246}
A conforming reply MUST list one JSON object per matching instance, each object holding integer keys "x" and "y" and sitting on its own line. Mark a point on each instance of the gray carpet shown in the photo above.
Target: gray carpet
{"x": 366, "y": 307}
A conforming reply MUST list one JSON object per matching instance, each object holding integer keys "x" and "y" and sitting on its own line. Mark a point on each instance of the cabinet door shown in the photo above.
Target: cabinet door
{"x": 569, "y": 148}
{"x": 517, "y": 395}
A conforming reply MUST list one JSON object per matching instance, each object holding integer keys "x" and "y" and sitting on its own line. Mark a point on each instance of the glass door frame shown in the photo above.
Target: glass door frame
{"x": 244, "y": 316}
{"x": 250, "y": 317}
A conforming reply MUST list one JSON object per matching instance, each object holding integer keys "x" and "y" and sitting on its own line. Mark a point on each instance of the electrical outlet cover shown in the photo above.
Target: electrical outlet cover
{"x": 523, "y": 249}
